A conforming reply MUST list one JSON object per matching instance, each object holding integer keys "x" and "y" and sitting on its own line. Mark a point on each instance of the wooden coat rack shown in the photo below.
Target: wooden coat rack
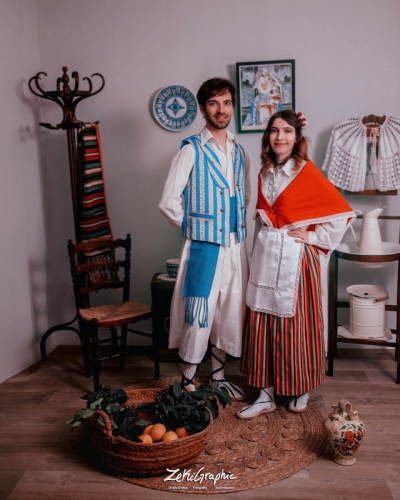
{"x": 68, "y": 97}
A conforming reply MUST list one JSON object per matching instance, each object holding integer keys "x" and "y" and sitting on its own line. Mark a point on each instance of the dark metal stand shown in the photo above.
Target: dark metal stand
{"x": 68, "y": 98}
{"x": 334, "y": 304}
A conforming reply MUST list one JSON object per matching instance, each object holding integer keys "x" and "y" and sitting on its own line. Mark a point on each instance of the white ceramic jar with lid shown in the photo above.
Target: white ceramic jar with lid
{"x": 367, "y": 310}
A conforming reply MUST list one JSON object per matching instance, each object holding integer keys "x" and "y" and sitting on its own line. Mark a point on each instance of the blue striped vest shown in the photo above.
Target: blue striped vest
{"x": 206, "y": 196}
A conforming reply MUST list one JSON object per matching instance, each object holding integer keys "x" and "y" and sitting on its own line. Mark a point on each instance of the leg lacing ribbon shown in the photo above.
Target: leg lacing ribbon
{"x": 217, "y": 375}
{"x": 188, "y": 371}
{"x": 217, "y": 363}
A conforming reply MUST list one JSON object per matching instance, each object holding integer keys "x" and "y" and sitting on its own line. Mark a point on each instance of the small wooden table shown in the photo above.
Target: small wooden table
{"x": 334, "y": 304}
{"x": 161, "y": 297}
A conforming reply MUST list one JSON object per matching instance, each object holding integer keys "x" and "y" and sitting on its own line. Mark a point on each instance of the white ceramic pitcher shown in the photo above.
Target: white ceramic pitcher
{"x": 370, "y": 242}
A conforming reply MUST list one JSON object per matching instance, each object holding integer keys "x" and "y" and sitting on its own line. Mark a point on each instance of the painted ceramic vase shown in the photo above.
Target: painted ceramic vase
{"x": 344, "y": 431}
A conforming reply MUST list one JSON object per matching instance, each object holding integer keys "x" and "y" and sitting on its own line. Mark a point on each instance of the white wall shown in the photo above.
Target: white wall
{"x": 23, "y": 308}
{"x": 347, "y": 64}
{"x": 346, "y": 56}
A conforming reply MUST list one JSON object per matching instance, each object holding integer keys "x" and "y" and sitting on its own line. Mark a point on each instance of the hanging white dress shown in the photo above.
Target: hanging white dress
{"x": 346, "y": 156}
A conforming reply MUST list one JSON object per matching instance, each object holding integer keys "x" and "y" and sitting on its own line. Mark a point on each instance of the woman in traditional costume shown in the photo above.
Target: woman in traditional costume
{"x": 300, "y": 218}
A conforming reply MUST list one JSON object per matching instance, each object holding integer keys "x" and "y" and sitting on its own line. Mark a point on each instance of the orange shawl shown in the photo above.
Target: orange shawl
{"x": 309, "y": 199}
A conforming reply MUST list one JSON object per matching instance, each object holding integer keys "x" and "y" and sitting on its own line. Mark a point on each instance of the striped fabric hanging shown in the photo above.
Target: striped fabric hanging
{"x": 93, "y": 215}
{"x": 94, "y": 219}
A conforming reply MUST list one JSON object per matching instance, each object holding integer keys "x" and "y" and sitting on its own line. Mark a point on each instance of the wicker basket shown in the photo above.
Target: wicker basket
{"x": 129, "y": 458}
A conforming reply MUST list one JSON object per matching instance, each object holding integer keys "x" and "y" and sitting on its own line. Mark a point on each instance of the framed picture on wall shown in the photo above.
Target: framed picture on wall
{"x": 263, "y": 88}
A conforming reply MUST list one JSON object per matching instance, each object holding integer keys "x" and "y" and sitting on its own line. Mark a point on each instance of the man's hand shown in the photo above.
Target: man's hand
{"x": 301, "y": 234}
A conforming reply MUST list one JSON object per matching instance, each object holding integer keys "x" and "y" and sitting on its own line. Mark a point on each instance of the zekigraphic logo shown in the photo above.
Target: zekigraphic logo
{"x": 199, "y": 479}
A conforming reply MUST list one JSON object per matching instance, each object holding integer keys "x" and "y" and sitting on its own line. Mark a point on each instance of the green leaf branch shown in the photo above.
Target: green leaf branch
{"x": 179, "y": 408}
{"x": 174, "y": 408}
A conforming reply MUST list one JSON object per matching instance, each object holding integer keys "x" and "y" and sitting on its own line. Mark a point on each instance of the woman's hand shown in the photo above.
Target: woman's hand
{"x": 301, "y": 234}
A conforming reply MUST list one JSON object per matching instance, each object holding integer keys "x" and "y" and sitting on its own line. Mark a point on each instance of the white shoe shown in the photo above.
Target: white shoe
{"x": 255, "y": 409}
{"x": 234, "y": 391}
{"x": 298, "y": 404}
{"x": 264, "y": 404}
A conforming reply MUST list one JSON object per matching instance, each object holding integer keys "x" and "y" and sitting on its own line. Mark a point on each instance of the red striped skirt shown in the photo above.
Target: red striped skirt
{"x": 288, "y": 353}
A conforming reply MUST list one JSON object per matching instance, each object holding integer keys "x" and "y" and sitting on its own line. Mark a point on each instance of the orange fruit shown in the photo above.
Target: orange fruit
{"x": 157, "y": 432}
{"x": 146, "y": 439}
{"x": 182, "y": 432}
{"x": 147, "y": 429}
{"x": 170, "y": 436}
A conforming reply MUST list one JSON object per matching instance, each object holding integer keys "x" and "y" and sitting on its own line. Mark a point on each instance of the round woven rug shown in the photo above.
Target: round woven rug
{"x": 244, "y": 454}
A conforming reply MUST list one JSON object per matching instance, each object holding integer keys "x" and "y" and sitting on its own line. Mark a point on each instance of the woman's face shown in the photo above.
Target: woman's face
{"x": 282, "y": 139}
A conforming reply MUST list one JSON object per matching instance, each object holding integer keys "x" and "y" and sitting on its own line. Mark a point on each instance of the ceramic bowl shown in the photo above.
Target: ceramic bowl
{"x": 172, "y": 267}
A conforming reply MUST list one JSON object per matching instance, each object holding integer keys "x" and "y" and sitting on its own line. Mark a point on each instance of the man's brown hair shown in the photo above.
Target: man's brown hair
{"x": 214, "y": 87}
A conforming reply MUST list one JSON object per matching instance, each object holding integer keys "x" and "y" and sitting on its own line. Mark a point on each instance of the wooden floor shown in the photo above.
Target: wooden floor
{"x": 41, "y": 459}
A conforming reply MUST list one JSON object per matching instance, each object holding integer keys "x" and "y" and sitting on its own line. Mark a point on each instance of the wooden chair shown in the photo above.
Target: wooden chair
{"x": 93, "y": 268}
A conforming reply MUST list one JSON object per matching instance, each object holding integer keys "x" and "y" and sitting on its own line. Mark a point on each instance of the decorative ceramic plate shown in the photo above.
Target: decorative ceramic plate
{"x": 174, "y": 108}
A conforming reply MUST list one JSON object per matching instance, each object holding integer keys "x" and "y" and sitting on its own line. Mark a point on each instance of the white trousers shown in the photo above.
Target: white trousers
{"x": 225, "y": 305}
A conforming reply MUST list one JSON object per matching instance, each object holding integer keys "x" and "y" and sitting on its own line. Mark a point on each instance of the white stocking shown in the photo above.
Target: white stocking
{"x": 264, "y": 404}
{"x": 266, "y": 395}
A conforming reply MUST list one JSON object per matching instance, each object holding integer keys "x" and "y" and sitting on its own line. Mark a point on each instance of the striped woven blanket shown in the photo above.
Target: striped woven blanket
{"x": 93, "y": 218}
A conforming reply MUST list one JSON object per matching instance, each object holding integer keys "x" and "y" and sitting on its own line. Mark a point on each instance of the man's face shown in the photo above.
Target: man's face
{"x": 218, "y": 111}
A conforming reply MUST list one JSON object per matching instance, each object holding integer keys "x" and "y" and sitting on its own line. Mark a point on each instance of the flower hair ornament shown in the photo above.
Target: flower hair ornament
{"x": 302, "y": 119}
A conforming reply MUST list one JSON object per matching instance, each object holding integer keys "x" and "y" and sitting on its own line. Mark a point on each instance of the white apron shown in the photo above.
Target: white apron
{"x": 274, "y": 273}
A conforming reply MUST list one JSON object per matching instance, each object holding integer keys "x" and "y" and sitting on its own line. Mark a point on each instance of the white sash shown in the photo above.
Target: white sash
{"x": 274, "y": 273}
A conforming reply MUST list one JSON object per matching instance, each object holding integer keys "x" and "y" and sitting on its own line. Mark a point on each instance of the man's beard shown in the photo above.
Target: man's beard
{"x": 219, "y": 125}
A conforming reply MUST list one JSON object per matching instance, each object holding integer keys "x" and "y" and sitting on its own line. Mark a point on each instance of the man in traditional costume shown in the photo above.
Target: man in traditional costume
{"x": 300, "y": 217}
{"x": 210, "y": 172}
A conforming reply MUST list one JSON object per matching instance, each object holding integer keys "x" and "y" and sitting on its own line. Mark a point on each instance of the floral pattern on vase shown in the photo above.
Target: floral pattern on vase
{"x": 344, "y": 431}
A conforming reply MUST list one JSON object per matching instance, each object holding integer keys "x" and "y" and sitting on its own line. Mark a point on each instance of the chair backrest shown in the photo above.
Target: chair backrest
{"x": 93, "y": 267}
